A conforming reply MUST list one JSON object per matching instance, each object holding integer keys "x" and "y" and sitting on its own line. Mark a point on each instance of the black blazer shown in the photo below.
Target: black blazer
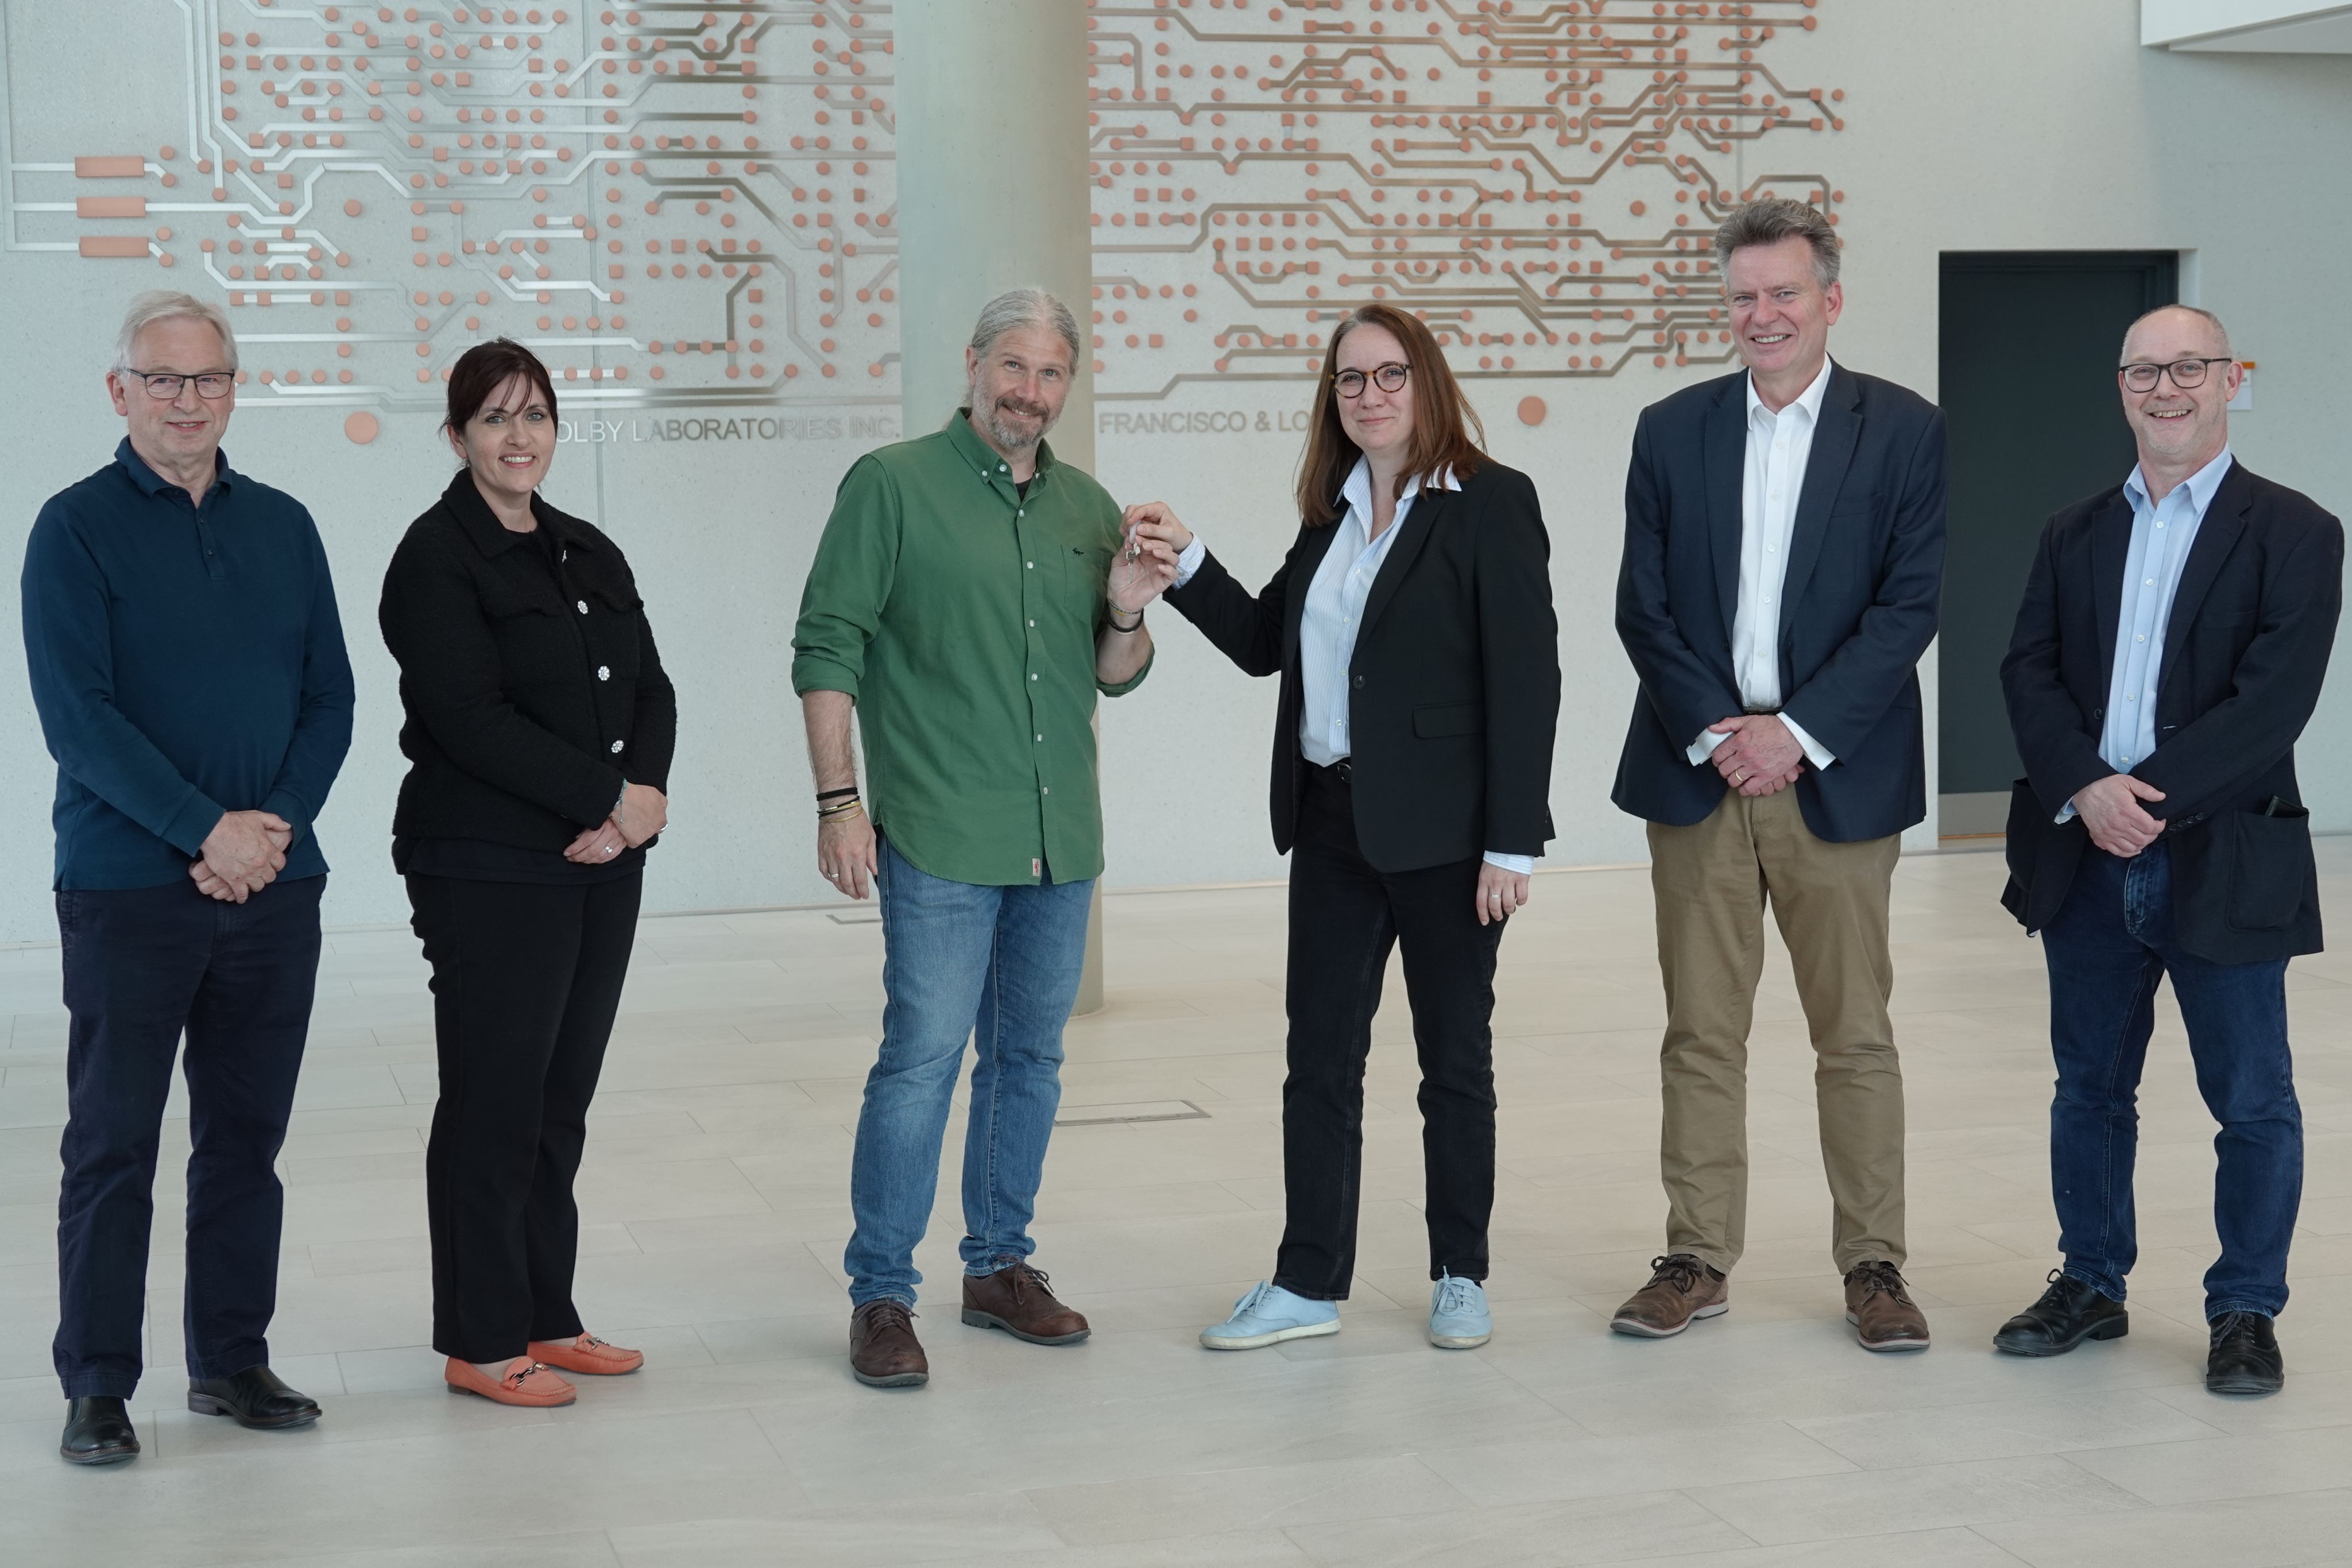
{"x": 1865, "y": 572}
{"x": 1454, "y": 690}
{"x": 531, "y": 689}
{"x": 2245, "y": 652}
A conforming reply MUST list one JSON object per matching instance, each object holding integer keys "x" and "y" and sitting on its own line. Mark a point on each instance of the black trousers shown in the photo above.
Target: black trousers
{"x": 1344, "y": 918}
{"x": 141, "y": 965}
{"x": 526, "y": 980}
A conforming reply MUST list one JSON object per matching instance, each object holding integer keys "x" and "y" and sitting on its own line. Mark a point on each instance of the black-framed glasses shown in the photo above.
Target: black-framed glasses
{"x": 164, "y": 385}
{"x": 2185, "y": 373}
{"x": 1388, "y": 378}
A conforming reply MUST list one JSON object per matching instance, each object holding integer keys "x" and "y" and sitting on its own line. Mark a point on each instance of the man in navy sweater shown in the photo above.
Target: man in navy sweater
{"x": 188, "y": 666}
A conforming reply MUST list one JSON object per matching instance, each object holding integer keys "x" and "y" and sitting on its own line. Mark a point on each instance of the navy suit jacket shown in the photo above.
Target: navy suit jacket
{"x": 1865, "y": 573}
{"x": 2245, "y": 653}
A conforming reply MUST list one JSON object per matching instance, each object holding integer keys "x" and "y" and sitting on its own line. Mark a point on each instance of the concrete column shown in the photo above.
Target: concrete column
{"x": 992, "y": 195}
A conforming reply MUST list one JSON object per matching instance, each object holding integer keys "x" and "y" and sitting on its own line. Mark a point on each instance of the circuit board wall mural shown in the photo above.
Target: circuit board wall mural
{"x": 680, "y": 204}
{"x": 1540, "y": 179}
{"x": 694, "y": 204}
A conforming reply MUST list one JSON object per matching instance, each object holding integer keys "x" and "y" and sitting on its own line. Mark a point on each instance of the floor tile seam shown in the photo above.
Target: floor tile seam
{"x": 1997, "y": 1546}
{"x": 2189, "y": 1443}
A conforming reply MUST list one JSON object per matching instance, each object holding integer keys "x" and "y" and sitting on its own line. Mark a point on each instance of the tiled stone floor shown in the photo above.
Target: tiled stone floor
{"x": 715, "y": 1200}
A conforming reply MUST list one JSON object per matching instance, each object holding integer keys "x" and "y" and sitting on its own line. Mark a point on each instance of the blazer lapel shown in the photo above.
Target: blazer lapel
{"x": 1302, "y": 577}
{"x": 1412, "y": 534}
{"x": 2110, "y": 553}
{"x": 1835, "y": 438}
{"x": 1726, "y": 463}
{"x": 2224, "y": 520}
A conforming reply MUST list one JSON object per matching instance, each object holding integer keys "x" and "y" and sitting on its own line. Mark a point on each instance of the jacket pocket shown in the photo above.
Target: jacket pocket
{"x": 1436, "y": 719}
{"x": 2271, "y": 869}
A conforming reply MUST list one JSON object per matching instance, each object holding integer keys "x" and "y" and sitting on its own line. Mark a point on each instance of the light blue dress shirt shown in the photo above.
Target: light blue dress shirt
{"x": 2162, "y": 535}
{"x": 1334, "y": 613}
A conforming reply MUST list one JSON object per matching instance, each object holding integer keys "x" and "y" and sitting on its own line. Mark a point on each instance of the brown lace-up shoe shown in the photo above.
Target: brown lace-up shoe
{"x": 1881, "y": 1310}
{"x": 1020, "y": 1301}
{"x": 1681, "y": 1289}
{"x": 883, "y": 1350}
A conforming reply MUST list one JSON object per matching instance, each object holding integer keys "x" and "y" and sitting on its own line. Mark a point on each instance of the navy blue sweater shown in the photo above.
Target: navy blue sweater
{"x": 186, "y": 660}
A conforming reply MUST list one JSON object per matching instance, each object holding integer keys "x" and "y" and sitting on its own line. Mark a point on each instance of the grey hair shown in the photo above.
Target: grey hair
{"x": 1773, "y": 219}
{"x": 1025, "y": 307}
{"x": 167, "y": 305}
{"x": 2211, "y": 320}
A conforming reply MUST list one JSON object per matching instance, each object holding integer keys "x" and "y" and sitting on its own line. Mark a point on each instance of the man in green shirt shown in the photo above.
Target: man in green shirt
{"x": 970, "y": 598}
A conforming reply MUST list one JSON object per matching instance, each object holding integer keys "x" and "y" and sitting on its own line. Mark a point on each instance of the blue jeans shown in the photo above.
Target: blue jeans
{"x": 2110, "y": 943}
{"x": 998, "y": 966}
{"x": 142, "y": 965}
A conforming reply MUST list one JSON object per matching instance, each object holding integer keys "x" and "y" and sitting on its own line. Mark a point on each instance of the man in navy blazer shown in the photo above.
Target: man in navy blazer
{"x": 2170, "y": 648}
{"x": 1784, "y": 549}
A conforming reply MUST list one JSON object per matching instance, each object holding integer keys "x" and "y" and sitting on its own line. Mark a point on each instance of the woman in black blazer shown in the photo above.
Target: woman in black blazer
{"x": 1412, "y": 625}
{"x": 540, "y": 727}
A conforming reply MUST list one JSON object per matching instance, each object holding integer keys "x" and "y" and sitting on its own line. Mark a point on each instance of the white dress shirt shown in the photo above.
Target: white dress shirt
{"x": 2162, "y": 533}
{"x": 1334, "y": 613}
{"x": 1772, "y": 478}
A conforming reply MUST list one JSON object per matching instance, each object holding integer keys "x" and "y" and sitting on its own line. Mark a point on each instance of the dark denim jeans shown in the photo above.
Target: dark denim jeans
{"x": 995, "y": 966}
{"x": 140, "y": 966}
{"x": 2110, "y": 945}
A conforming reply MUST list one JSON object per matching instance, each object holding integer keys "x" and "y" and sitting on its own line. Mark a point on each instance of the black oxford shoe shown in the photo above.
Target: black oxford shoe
{"x": 255, "y": 1398}
{"x": 2069, "y": 1312}
{"x": 2245, "y": 1355}
{"x": 97, "y": 1432}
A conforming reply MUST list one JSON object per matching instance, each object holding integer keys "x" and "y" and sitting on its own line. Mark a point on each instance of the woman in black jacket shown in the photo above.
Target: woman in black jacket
{"x": 540, "y": 727}
{"x": 1412, "y": 625}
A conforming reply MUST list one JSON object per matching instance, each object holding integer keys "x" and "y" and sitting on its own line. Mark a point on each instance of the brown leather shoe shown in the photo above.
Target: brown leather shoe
{"x": 1681, "y": 1290}
{"x": 883, "y": 1350}
{"x": 1020, "y": 1301}
{"x": 1881, "y": 1310}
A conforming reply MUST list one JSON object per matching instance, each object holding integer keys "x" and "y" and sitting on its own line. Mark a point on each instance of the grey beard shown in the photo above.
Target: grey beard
{"x": 1009, "y": 441}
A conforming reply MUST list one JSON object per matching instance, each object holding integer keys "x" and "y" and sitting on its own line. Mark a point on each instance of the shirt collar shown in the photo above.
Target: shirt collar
{"x": 1357, "y": 492}
{"x": 1809, "y": 400}
{"x": 492, "y": 537}
{"x": 154, "y": 484}
{"x": 985, "y": 459}
{"x": 2200, "y": 485}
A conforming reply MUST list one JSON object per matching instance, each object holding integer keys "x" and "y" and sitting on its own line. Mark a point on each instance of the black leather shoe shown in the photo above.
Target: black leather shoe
{"x": 2245, "y": 1355}
{"x": 2069, "y": 1312}
{"x": 97, "y": 1432}
{"x": 255, "y": 1398}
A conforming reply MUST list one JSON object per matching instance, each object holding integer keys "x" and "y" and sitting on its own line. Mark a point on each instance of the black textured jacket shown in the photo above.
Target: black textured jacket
{"x": 2245, "y": 654}
{"x": 530, "y": 686}
{"x": 1454, "y": 690}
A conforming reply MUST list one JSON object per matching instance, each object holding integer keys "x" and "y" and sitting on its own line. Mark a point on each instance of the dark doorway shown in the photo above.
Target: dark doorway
{"x": 2029, "y": 345}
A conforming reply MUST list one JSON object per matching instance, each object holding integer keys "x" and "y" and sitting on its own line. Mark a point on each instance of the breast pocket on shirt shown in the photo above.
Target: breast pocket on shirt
{"x": 614, "y": 617}
{"x": 1086, "y": 580}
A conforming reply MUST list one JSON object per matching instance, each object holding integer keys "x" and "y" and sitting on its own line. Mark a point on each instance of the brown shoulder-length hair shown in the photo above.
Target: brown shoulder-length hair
{"x": 1446, "y": 433}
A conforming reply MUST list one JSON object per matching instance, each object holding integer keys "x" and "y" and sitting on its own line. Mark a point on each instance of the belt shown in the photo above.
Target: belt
{"x": 1341, "y": 771}
{"x": 1760, "y": 711}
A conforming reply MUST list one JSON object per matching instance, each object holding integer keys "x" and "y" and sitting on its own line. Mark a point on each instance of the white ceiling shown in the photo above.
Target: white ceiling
{"x": 2247, "y": 27}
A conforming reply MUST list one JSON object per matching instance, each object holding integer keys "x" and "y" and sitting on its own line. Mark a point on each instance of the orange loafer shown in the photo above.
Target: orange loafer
{"x": 526, "y": 1381}
{"x": 587, "y": 1354}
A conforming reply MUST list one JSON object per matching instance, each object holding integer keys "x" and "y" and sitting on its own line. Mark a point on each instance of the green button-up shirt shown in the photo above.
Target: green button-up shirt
{"x": 962, "y": 618}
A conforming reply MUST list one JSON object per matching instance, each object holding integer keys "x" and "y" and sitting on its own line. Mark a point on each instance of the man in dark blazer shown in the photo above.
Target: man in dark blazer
{"x": 1784, "y": 548}
{"x": 2171, "y": 647}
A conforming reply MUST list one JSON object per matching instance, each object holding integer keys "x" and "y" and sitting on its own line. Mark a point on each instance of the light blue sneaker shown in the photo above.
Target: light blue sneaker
{"x": 1268, "y": 1316}
{"x": 1458, "y": 1319}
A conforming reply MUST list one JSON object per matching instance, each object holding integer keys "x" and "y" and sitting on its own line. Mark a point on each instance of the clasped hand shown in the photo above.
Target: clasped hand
{"x": 644, "y": 812}
{"x": 1761, "y": 756}
{"x": 2110, "y": 807}
{"x": 243, "y": 854}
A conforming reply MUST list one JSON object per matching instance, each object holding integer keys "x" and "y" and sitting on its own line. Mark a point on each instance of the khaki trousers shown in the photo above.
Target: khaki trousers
{"x": 1712, "y": 880}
